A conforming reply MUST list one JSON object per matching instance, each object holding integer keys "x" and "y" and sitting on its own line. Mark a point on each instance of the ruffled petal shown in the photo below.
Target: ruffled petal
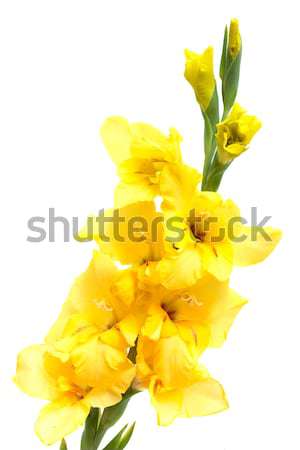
{"x": 150, "y": 143}
{"x": 110, "y": 370}
{"x": 139, "y": 140}
{"x": 103, "y": 396}
{"x": 181, "y": 270}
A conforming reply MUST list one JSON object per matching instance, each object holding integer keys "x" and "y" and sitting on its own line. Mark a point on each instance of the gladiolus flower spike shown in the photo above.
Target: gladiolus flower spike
{"x": 145, "y": 326}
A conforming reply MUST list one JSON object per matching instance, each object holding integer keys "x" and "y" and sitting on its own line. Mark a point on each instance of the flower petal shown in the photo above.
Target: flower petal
{"x": 178, "y": 185}
{"x": 173, "y": 363}
{"x": 125, "y": 194}
{"x": 203, "y": 398}
{"x": 104, "y": 396}
{"x": 154, "y": 322}
{"x": 182, "y": 270}
{"x": 218, "y": 307}
{"x": 168, "y": 403}
{"x": 31, "y": 375}
{"x": 218, "y": 259}
{"x": 150, "y": 143}
{"x": 89, "y": 297}
{"x": 117, "y": 138}
{"x": 111, "y": 370}
{"x": 256, "y": 246}
{"x": 129, "y": 327}
{"x": 137, "y": 237}
{"x": 60, "y": 418}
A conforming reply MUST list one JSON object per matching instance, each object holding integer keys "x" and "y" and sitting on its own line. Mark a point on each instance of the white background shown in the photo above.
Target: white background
{"x": 65, "y": 66}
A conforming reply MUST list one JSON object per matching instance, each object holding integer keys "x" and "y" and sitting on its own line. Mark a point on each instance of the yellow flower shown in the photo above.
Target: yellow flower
{"x": 140, "y": 151}
{"x": 235, "y": 133}
{"x": 209, "y": 242}
{"x": 178, "y": 386}
{"x": 99, "y": 299}
{"x": 84, "y": 362}
{"x": 73, "y": 382}
{"x": 235, "y": 42}
{"x": 199, "y": 73}
{"x": 201, "y": 314}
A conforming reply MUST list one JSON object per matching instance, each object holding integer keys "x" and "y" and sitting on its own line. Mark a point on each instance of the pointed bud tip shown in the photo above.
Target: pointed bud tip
{"x": 235, "y": 42}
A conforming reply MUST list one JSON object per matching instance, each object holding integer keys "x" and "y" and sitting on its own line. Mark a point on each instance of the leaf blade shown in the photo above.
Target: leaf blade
{"x": 121, "y": 439}
{"x": 63, "y": 445}
{"x": 90, "y": 430}
{"x": 224, "y": 54}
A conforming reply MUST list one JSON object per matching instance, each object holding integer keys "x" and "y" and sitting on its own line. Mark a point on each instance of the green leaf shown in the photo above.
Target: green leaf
{"x": 114, "y": 443}
{"x": 90, "y": 430}
{"x": 126, "y": 437}
{"x": 63, "y": 445}
{"x": 224, "y": 54}
{"x": 231, "y": 82}
{"x": 212, "y": 111}
{"x": 121, "y": 439}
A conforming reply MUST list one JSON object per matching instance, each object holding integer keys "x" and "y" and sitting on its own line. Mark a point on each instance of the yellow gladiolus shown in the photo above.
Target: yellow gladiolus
{"x": 156, "y": 294}
{"x": 139, "y": 151}
{"x": 199, "y": 73}
{"x": 84, "y": 362}
{"x": 208, "y": 241}
{"x": 99, "y": 301}
{"x": 235, "y": 133}
{"x": 201, "y": 314}
{"x": 178, "y": 386}
{"x": 73, "y": 382}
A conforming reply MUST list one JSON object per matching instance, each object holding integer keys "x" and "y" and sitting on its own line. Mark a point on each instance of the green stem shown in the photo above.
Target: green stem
{"x": 208, "y": 160}
{"x": 214, "y": 175}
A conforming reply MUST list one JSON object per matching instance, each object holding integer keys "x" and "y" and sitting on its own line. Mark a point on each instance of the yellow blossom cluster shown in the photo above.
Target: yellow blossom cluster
{"x": 145, "y": 309}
